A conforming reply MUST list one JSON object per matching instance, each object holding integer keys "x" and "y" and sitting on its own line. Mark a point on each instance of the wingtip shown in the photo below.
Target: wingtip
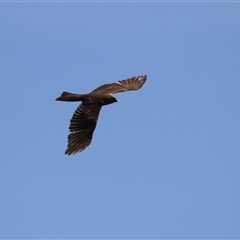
{"x": 142, "y": 76}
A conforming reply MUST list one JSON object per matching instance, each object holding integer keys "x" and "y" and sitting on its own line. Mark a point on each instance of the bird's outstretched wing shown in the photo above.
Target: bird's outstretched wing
{"x": 82, "y": 126}
{"x": 129, "y": 84}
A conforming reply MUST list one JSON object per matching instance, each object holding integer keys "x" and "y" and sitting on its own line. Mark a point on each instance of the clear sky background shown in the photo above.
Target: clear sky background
{"x": 164, "y": 161}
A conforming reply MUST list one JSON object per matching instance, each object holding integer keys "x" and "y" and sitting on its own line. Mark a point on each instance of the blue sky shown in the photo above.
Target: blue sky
{"x": 164, "y": 161}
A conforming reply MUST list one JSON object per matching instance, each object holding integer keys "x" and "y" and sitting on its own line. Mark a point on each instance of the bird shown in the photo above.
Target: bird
{"x": 84, "y": 119}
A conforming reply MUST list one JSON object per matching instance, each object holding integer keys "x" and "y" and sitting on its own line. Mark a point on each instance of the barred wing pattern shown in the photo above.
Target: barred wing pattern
{"x": 82, "y": 126}
{"x": 129, "y": 84}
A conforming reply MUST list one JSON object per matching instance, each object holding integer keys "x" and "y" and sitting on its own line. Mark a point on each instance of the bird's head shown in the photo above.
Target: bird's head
{"x": 109, "y": 100}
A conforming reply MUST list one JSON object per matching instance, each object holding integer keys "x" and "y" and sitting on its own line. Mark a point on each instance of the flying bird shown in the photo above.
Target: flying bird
{"x": 84, "y": 119}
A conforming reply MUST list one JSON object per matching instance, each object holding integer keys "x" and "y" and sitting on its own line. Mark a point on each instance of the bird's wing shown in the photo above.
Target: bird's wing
{"x": 82, "y": 125}
{"x": 129, "y": 84}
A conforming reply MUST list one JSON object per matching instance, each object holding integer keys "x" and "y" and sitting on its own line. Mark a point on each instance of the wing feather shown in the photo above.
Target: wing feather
{"x": 82, "y": 126}
{"x": 129, "y": 84}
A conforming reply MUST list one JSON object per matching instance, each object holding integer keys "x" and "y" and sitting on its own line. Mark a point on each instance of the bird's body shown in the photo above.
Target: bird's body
{"x": 94, "y": 97}
{"x": 84, "y": 119}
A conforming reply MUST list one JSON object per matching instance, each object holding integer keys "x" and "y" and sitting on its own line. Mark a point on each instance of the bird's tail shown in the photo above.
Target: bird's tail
{"x": 70, "y": 97}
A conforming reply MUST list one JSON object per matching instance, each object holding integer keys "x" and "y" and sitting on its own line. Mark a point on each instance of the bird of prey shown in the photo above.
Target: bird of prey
{"x": 84, "y": 119}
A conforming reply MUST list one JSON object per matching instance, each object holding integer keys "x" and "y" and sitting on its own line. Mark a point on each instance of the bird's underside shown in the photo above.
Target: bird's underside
{"x": 84, "y": 119}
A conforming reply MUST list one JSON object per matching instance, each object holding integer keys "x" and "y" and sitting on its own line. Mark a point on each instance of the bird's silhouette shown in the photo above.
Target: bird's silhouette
{"x": 84, "y": 119}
